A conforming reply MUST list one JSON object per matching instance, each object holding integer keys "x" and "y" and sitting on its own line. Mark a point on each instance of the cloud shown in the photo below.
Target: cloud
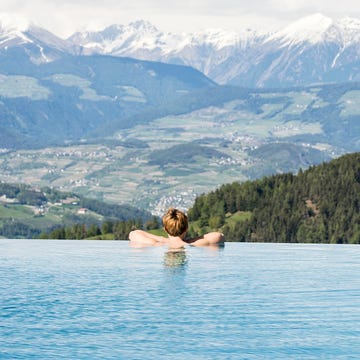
{"x": 65, "y": 16}
{"x": 324, "y": 6}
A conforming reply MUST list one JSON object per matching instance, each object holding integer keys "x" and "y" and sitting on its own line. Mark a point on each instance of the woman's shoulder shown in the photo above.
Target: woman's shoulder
{"x": 206, "y": 239}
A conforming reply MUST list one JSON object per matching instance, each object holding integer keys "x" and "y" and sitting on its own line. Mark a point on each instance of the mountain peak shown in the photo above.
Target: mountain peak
{"x": 307, "y": 29}
{"x": 143, "y": 25}
{"x": 314, "y": 23}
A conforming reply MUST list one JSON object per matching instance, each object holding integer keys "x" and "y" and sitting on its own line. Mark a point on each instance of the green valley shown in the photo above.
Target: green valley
{"x": 172, "y": 159}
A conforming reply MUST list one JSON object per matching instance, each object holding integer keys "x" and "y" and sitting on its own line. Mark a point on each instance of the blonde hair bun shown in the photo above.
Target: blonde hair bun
{"x": 175, "y": 222}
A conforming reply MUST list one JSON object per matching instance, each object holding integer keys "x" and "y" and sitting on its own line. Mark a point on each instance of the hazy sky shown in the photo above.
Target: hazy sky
{"x": 64, "y": 16}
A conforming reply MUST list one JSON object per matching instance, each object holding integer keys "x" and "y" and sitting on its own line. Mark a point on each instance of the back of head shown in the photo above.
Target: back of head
{"x": 175, "y": 222}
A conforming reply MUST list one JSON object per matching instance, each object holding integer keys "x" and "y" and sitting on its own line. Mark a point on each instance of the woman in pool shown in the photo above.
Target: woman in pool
{"x": 176, "y": 225}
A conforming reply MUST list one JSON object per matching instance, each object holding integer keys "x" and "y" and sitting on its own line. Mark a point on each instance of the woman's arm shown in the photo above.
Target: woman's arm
{"x": 140, "y": 237}
{"x": 212, "y": 238}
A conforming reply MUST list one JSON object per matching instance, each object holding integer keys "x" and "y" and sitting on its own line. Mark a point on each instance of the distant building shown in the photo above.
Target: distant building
{"x": 70, "y": 200}
{"x": 82, "y": 211}
{"x": 6, "y": 200}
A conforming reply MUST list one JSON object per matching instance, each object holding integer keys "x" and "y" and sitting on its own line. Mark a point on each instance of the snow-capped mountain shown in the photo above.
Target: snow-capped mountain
{"x": 313, "y": 49}
{"x": 312, "y": 29}
{"x": 203, "y": 50}
{"x": 12, "y": 30}
{"x": 37, "y": 43}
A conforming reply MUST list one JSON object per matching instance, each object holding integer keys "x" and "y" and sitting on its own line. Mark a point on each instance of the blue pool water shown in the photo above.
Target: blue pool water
{"x": 105, "y": 300}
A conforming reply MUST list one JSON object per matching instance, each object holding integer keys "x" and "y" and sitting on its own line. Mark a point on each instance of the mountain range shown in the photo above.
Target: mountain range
{"x": 314, "y": 49}
{"x": 311, "y": 50}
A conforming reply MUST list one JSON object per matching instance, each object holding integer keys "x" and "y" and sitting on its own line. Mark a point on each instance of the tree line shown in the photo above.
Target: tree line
{"x": 108, "y": 229}
{"x": 40, "y": 197}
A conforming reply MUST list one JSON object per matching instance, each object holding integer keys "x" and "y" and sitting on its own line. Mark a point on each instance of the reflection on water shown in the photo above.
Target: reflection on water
{"x": 215, "y": 247}
{"x": 175, "y": 258}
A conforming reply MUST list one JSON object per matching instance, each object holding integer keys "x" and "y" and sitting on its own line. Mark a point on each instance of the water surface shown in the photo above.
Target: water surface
{"x": 105, "y": 300}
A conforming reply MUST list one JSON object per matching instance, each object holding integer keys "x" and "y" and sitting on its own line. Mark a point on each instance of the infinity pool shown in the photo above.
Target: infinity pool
{"x": 105, "y": 300}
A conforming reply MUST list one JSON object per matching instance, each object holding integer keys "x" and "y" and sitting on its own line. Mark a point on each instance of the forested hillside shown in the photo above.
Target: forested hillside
{"x": 319, "y": 205}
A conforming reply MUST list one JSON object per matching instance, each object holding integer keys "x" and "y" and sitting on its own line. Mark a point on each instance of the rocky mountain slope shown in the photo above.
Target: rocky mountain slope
{"x": 313, "y": 49}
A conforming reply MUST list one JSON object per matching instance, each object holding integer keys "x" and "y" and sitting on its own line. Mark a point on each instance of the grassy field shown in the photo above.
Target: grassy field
{"x": 15, "y": 212}
{"x": 16, "y": 86}
{"x": 49, "y": 216}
